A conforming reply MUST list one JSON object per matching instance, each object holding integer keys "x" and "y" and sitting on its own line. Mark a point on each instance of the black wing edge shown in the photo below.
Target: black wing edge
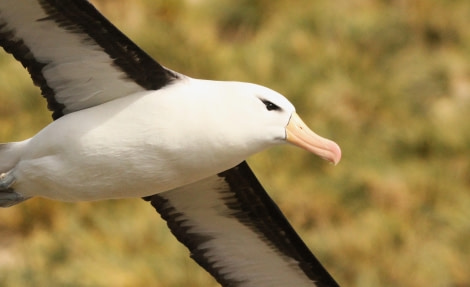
{"x": 23, "y": 54}
{"x": 80, "y": 16}
{"x": 252, "y": 202}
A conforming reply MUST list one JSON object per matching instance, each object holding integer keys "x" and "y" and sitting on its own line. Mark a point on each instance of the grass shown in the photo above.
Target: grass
{"x": 388, "y": 80}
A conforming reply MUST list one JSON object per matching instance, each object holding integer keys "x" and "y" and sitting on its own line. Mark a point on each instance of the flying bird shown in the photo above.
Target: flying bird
{"x": 125, "y": 126}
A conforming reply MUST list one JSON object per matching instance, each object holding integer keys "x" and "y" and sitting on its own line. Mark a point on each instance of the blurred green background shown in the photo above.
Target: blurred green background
{"x": 389, "y": 81}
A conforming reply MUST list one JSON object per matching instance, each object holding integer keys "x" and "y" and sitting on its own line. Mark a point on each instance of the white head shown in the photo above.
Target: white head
{"x": 241, "y": 119}
{"x": 206, "y": 127}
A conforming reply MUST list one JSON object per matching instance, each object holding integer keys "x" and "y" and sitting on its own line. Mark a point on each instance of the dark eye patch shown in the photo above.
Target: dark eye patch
{"x": 270, "y": 106}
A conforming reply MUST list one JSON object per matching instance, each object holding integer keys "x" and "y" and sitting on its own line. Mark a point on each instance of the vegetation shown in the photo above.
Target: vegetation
{"x": 388, "y": 80}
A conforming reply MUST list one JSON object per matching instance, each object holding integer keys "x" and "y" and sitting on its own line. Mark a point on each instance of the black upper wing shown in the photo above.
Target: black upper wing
{"x": 238, "y": 234}
{"x": 75, "y": 55}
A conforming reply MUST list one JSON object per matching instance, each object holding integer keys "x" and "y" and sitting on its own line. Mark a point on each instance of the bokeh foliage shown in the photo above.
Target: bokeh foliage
{"x": 388, "y": 80}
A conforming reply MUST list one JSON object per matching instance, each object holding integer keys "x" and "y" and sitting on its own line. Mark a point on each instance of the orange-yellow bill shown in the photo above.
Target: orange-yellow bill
{"x": 299, "y": 134}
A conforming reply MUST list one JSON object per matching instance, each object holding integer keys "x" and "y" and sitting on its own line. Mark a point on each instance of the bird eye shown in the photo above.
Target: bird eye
{"x": 270, "y": 106}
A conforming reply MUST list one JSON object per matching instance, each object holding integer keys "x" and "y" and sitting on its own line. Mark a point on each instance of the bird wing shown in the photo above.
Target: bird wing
{"x": 75, "y": 55}
{"x": 236, "y": 232}
{"x": 229, "y": 223}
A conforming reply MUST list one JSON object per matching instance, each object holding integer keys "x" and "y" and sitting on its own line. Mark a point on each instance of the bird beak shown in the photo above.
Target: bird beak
{"x": 299, "y": 134}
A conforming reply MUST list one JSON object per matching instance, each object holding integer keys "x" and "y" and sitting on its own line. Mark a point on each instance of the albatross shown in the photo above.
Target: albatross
{"x": 125, "y": 126}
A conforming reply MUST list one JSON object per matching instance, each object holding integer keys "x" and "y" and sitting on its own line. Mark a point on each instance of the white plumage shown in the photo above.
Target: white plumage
{"x": 150, "y": 142}
{"x": 125, "y": 126}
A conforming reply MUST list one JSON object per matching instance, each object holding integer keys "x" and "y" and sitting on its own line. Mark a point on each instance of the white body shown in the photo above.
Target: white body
{"x": 148, "y": 142}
